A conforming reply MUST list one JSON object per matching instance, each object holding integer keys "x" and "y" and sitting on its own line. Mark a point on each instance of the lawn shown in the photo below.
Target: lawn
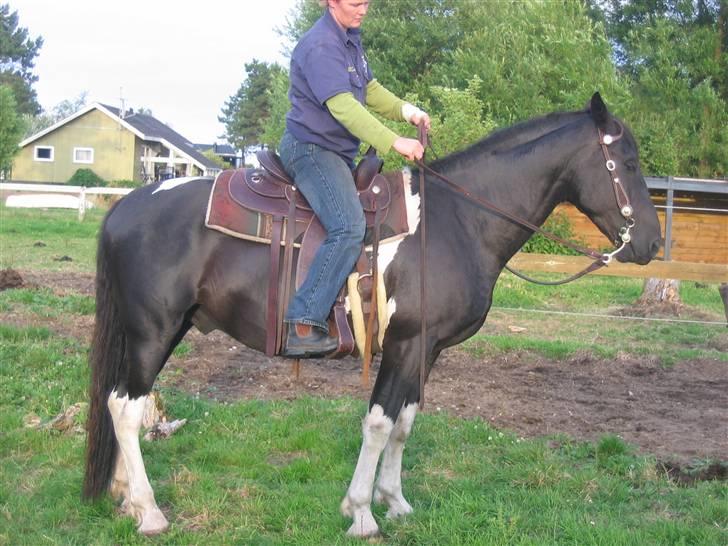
{"x": 254, "y": 472}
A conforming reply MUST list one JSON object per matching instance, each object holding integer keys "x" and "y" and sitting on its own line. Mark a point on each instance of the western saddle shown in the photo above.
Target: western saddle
{"x": 263, "y": 205}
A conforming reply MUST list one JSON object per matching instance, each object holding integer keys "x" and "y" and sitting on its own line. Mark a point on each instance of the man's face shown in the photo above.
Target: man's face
{"x": 349, "y": 13}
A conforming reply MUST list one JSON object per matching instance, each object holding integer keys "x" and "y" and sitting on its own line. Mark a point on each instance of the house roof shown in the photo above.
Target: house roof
{"x": 223, "y": 150}
{"x": 144, "y": 126}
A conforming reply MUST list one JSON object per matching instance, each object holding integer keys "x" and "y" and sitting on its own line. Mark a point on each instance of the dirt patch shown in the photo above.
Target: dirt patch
{"x": 9, "y": 278}
{"x": 679, "y": 414}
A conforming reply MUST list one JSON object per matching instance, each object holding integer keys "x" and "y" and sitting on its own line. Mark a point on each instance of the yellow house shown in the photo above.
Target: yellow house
{"x": 115, "y": 145}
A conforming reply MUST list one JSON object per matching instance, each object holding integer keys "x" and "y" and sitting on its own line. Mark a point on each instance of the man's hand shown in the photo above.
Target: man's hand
{"x": 409, "y": 148}
{"x": 419, "y": 117}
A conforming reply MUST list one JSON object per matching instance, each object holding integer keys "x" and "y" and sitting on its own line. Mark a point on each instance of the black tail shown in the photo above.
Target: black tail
{"x": 106, "y": 360}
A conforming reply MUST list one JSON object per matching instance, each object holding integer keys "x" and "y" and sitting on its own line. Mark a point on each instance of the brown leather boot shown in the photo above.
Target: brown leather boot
{"x": 306, "y": 341}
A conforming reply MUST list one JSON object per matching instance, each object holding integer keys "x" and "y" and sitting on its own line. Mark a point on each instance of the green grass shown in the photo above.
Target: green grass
{"x": 41, "y": 239}
{"x": 274, "y": 472}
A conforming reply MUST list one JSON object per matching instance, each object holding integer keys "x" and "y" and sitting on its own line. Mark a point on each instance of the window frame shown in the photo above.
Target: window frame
{"x": 44, "y": 159}
{"x": 84, "y": 149}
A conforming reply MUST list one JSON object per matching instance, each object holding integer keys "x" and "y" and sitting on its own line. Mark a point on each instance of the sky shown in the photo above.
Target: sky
{"x": 181, "y": 59}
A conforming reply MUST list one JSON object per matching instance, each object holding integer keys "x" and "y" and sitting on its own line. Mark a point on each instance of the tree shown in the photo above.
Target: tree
{"x": 17, "y": 60}
{"x": 675, "y": 53}
{"x": 36, "y": 123}
{"x": 11, "y": 128}
{"x": 246, "y": 113}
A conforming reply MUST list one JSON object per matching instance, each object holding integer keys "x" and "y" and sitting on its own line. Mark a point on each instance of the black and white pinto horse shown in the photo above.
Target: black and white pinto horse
{"x": 160, "y": 270}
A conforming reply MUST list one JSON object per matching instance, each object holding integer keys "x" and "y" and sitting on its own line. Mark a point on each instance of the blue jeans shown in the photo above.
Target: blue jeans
{"x": 325, "y": 180}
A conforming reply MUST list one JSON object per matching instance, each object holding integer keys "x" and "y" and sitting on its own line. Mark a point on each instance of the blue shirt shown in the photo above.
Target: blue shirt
{"x": 326, "y": 61}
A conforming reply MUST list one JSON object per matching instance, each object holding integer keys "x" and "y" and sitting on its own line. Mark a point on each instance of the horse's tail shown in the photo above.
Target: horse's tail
{"x": 106, "y": 360}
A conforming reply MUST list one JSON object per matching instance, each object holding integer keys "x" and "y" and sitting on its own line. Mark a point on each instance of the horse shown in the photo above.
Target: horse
{"x": 160, "y": 271}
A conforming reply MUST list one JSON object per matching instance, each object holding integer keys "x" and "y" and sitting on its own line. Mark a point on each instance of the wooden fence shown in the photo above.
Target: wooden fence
{"x": 695, "y": 221}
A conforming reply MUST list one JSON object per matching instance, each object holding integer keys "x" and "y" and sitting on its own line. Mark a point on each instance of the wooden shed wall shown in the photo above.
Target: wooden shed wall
{"x": 697, "y": 236}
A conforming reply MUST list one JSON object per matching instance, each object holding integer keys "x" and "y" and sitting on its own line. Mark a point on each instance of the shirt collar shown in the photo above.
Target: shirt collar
{"x": 352, "y": 35}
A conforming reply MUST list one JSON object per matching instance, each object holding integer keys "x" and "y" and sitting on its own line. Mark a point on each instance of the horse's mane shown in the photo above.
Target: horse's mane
{"x": 507, "y": 138}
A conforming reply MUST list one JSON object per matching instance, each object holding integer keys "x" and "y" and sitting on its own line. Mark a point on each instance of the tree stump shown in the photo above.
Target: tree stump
{"x": 723, "y": 289}
{"x": 660, "y": 292}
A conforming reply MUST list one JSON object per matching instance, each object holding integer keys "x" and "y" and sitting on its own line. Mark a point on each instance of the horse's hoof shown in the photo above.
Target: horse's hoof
{"x": 363, "y": 529}
{"x": 153, "y": 523}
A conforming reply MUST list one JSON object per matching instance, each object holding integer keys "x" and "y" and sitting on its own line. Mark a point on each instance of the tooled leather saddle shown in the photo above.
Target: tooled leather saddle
{"x": 263, "y": 205}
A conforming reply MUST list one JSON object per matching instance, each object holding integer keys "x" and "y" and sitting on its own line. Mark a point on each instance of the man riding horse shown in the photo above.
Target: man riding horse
{"x": 331, "y": 83}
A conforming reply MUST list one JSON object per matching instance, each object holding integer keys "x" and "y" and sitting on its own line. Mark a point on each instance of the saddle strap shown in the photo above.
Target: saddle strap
{"x": 287, "y": 270}
{"x": 373, "y": 305}
{"x": 271, "y": 320}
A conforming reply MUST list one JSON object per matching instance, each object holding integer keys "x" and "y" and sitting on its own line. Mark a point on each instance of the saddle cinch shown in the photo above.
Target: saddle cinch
{"x": 260, "y": 205}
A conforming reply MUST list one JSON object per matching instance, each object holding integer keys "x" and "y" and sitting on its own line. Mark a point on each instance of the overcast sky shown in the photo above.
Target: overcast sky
{"x": 180, "y": 58}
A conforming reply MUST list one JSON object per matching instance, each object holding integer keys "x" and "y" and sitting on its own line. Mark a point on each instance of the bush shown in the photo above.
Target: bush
{"x": 124, "y": 184}
{"x": 558, "y": 224}
{"x": 86, "y": 178}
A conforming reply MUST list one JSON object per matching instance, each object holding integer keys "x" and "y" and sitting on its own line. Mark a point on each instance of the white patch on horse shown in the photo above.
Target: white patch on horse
{"x": 388, "y": 251}
{"x": 175, "y": 182}
{"x": 357, "y": 503}
{"x": 127, "y": 416}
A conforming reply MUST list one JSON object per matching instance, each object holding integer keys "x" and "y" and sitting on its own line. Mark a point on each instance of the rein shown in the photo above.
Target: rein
{"x": 600, "y": 259}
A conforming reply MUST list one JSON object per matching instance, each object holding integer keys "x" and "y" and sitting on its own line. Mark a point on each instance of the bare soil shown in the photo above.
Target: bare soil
{"x": 679, "y": 414}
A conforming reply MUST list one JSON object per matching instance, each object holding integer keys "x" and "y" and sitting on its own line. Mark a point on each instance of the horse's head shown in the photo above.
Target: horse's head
{"x": 611, "y": 190}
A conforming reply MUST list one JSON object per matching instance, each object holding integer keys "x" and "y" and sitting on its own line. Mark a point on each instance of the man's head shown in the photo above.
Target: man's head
{"x": 347, "y": 13}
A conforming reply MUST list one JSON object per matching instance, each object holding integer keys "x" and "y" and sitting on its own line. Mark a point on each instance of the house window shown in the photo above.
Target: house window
{"x": 43, "y": 153}
{"x": 83, "y": 155}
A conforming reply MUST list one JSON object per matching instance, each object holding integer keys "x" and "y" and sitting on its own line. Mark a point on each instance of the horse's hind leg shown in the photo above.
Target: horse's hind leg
{"x": 127, "y": 414}
{"x": 389, "y": 485}
{"x": 126, "y": 405}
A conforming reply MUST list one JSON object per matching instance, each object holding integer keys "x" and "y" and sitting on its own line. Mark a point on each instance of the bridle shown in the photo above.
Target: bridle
{"x": 600, "y": 259}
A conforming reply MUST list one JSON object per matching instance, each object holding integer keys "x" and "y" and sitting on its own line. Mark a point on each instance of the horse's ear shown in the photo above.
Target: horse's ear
{"x": 598, "y": 110}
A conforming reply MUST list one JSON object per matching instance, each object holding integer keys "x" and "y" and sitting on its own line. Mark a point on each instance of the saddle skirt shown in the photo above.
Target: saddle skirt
{"x": 260, "y": 204}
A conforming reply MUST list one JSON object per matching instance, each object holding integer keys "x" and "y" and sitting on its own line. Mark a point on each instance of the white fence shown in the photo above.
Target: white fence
{"x": 53, "y": 195}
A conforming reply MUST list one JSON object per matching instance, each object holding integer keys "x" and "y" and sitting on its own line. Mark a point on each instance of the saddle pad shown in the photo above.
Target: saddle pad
{"x": 227, "y": 216}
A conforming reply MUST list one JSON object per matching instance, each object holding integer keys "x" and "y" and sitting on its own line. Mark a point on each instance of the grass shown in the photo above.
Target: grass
{"x": 46, "y": 239}
{"x": 273, "y": 472}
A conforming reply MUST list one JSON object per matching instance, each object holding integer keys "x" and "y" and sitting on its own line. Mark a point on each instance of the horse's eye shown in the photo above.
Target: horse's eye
{"x": 631, "y": 165}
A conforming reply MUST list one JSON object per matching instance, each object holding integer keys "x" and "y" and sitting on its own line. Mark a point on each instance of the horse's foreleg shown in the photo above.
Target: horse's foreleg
{"x": 357, "y": 502}
{"x": 127, "y": 415}
{"x": 389, "y": 485}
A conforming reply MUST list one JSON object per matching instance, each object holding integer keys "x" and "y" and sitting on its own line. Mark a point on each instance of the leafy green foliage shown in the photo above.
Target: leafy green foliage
{"x": 662, "y": 66}
{"x": 124, "y": 183}
{"x": 558, "y": 224}
{"x": 216, "y": 159}
{"x": 17, "y": 60}
{"x": 11, "y": 127}
{"x": 86, "y": 178}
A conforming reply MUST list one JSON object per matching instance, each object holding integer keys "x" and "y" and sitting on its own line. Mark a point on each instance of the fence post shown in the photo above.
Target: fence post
{"x": 81, "y": 204}
{"x": 667, "y": 254}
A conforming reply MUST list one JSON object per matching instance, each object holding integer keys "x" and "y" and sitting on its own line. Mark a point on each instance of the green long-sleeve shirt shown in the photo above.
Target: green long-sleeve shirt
{"x": 361, "y": 123}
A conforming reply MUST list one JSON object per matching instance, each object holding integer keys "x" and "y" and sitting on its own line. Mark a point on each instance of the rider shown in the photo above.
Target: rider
{"x": 331, "y": 81}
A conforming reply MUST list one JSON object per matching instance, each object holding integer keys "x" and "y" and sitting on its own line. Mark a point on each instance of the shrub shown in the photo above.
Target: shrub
{"x": 124, "y": 184}
{"x": 558, "y": 224}
{"x": 86, "y": 178}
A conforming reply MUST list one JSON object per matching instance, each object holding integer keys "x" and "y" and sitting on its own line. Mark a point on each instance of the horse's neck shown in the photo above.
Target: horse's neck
{"x": 526, "y": 185}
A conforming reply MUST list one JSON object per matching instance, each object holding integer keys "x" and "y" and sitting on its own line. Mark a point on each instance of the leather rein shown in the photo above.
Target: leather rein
{"x": 600, "y": 259}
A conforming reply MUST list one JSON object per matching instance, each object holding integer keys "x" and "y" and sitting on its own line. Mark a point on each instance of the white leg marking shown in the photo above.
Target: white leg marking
{"x": 127, "y": 416}
{"x": 357, "y": 502}
{"x": 119, "y": 487}
{"x": 389, "y": 485}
